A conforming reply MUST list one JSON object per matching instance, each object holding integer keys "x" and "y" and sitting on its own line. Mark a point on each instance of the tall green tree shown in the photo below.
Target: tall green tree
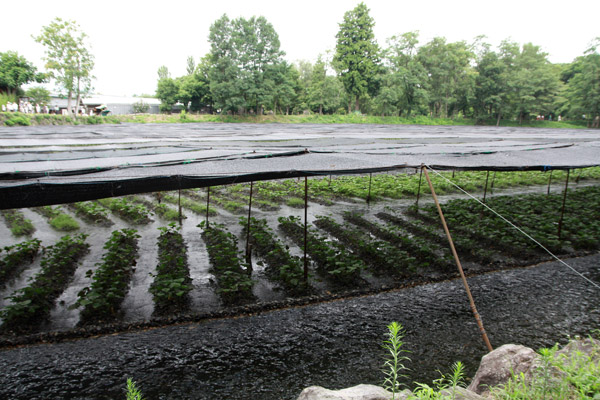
{"x": 68, "y": 57}
{"x": 583, "y": 86}
{"x": 447, "y": 65}
{"x": 490, "y": 87}
{"x": 167, "y": 89}
{"x": 357, "y": 55}
{"x": 16, "y": 71}
{"x": 242, "y": 53}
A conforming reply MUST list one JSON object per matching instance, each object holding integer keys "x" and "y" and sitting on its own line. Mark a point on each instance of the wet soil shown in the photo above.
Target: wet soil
{"x": 273, "y": 355}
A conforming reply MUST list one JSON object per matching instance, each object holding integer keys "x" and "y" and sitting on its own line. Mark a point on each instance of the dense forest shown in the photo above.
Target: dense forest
{"x": 245, "y": 73}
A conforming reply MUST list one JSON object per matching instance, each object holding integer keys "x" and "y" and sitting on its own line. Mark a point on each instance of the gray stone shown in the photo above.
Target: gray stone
{"x": 497, "y": 367}
{"x": 360, "y": 392}
{"x": 460, "y": 393}
{"x": 588, "y": 347}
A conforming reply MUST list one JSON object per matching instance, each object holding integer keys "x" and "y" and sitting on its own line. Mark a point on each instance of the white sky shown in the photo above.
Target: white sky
{"x": 130, "y": 39}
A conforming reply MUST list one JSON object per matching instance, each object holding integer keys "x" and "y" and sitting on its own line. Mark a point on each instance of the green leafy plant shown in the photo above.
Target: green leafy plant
{"x": 16, "y": 256}
{"x": 394, "y": 363}
{"x": 133, "y": 393}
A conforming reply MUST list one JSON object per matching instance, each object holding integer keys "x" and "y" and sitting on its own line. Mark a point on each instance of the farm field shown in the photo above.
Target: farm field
{"x": 131, "y": 259}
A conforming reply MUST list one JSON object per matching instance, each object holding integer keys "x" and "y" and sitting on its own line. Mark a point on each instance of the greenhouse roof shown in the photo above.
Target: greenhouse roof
{"x": 60, "y": 164}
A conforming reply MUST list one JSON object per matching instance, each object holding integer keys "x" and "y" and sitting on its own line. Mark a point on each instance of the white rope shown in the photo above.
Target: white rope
{"x": 516, "y": 227}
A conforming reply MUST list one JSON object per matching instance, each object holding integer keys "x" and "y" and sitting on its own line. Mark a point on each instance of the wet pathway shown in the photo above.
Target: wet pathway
{"x": 337, "y": 344}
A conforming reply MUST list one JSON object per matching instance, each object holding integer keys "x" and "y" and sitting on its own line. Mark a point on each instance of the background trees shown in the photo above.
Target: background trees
{"x": 16, "y": 71}
{"x": 67, "y": 57}
{"x": 357, "y": 58}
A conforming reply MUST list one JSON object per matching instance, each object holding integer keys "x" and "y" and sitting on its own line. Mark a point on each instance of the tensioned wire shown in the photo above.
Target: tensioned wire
{"x": 516, "y": 227}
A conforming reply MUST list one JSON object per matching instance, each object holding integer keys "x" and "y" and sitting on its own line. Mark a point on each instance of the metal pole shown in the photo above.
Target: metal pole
{"x": 305, "y": 228}
{"x": 487, "y": 177}
{"x": 207, "y": 204}
{"x": 458, "y": 264}
{"x": 419, "y": 189}
{"x": 248, "y": 226}
{"x": 369, "y": 194}
{"x": 562, "y": 211}
{"x": 179, "y": 203}
{"x": 549, "y": 182}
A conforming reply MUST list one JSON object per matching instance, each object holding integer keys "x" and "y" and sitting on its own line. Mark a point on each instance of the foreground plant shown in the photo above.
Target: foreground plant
{"x": 394, "y": 364}
{"x": 133, "y": 393}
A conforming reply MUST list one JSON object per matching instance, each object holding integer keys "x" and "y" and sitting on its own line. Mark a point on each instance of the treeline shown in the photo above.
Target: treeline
{"x": 245, "y": 73}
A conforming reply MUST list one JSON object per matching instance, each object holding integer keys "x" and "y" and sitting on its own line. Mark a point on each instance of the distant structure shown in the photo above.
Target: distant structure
{"x": 118, "y": 105}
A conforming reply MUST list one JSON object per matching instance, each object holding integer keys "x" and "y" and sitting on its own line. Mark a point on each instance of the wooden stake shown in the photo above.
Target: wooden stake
{"x": 305, "y": 228}
{"x": 492, "y": 185}
{"x": 562, "y": 211}
{"x": 458, "y": 264}
{"x": 549, "y": 182}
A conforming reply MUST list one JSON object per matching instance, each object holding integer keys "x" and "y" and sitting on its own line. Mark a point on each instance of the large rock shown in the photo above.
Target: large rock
{"x": 460, "y": 393}
{"x": 497, "y": 367}
{"x": 588, "y": 347}
{"x": 360, "y": 392}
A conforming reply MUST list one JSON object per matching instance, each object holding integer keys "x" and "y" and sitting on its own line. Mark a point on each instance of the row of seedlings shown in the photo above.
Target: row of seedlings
{"x": 92, "y": 212}
{"x": 172, "y": 282}
{"x": 383, "y": 257}
{"x": 234, "y": 283}
{"x": 189, "y": 200}
{"x": 281, "y": 266}
{"x": 428, "y": 255}
{"x": 101, "y": 301}
{"x": 331, "y": 258}
{"x": 159, "y": 208}
{"x": 31, "y": 305}
{"x": 137, "y": 214}
{"x": 17, "y": 223}
{"x": 464, "y": 244}
{"x": 58, "y": 219}
{"x": 15, "y": 257}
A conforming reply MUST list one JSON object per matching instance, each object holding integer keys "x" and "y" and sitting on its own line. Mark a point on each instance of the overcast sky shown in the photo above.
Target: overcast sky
{"x": 130, "y": 39}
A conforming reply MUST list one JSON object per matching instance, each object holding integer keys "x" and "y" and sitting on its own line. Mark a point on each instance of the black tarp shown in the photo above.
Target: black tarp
{"x": 62, "y": 164}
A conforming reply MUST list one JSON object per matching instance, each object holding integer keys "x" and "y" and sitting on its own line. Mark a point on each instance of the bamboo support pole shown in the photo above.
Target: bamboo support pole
{"x": 305, "y": 228}
{"x": 562, "y": 211}
{"x": 207, "y": 204}
{"x": 458, "y": 264}
{"x": 492, "y": 185}
{"x": 487, "y": 178}
{"x": 549, "y": 182}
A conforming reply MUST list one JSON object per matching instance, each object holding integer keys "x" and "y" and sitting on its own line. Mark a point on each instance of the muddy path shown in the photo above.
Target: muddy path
{"x": 273, "y": 355}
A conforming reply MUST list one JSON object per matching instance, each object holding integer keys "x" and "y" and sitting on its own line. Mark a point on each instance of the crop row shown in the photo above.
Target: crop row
{"x": 31, "y": 305}
{"x": 16, "y": 256}
{"x": 172, "y": 281}
{"x": 101, "y": 301}
{"x": 234, "y": 283}
{"x": 332, "y": 259}
{"x": 281, "y": 266}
